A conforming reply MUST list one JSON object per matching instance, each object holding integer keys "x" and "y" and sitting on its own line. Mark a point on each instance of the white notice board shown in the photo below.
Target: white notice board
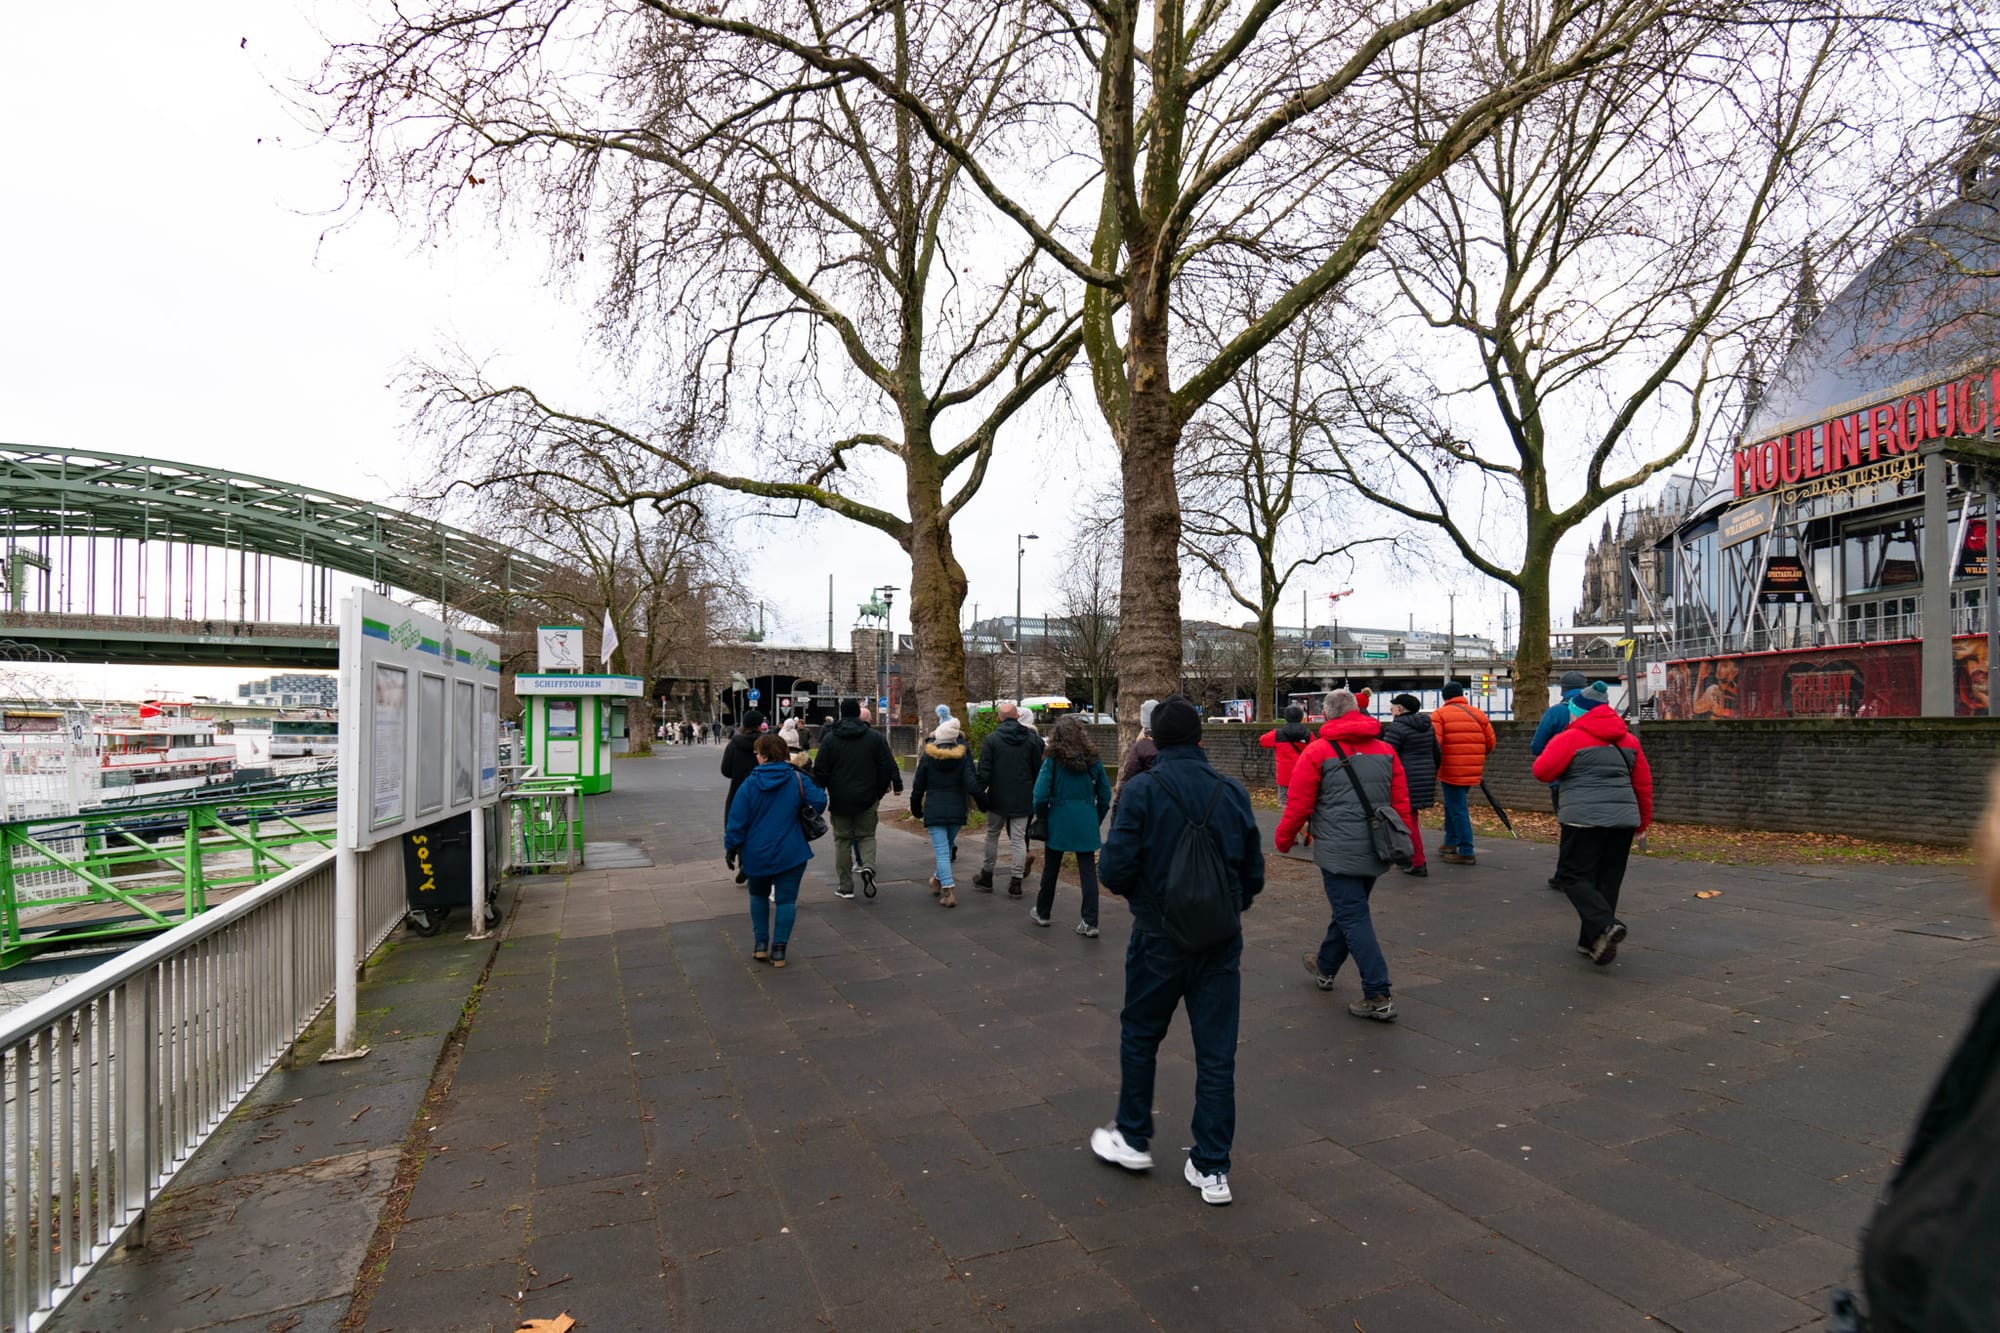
{"x": 419, "y": 719}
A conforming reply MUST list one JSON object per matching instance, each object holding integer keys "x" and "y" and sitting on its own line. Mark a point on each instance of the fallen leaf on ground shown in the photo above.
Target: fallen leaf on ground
{"x": 1708, "y": 893}
{"x": 562, "y": 1323}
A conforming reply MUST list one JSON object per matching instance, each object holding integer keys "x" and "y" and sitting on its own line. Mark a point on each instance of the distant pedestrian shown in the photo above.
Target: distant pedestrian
{"x": 1073, "y": 794}
{"x": 765, "y": 841}
{"x": 867, "y": 713}
{"x": 1927, "y": 1254}
{"x": 795, "y": 748}
{"x": 855, "y": 767}
{"x": 1554, "y": 719}
{"x": 1465, "y": 738}
{"x": 1286, "y": 743}
{"x": 1606, "y": 798}
{"x": 1008, "y": 763}
{"x": 1144, "y": 751}
{"x": 1349, "y": 753}
{"x": 739, "y": 760}
{"x": 1416, "y": 744}
{"x": 1180, "y": 793}
{"x": 941, "y": 796}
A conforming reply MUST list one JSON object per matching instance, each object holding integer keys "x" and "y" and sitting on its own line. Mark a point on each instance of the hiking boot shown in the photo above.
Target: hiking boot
{"x": 1320, "y": 979}
{"x": 1421, "y": 872}
{"x": 777, "y": 955}
{"x": 1606, "y": 947}
{"x": 761, "y": 953}
{"x": 868, "y": 880}
{"x": 1455, "y": 859}
{"x": 1013, "y": 888}
{"x": 1381, "y": 1008}
{"x": 937, "y": 886}
{"x": 1085, "y": 929}
{"x": 947, "y": 898}
{"x": 1110, "y": 1146}
{"x": 983, "y": 880}
{"x": 1037, "y": 917}
{"x": 1214, "y": 1188}
{"x": 843, "y": 891}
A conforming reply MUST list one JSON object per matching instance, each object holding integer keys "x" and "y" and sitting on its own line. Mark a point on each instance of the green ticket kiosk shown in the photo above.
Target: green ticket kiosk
{"x": 570, "y": 720}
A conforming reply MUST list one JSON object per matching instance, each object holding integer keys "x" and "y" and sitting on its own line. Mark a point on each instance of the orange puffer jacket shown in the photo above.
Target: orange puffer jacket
{"x": 1466, "y": 737}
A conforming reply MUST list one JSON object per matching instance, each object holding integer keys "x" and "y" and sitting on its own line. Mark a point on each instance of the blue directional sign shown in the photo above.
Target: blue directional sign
{"x": 883, "y": 702}
{"x": 755, "y": 695}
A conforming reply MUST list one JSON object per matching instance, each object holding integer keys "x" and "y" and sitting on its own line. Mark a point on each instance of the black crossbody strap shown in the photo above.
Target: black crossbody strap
{"x": 1366, "y": 807}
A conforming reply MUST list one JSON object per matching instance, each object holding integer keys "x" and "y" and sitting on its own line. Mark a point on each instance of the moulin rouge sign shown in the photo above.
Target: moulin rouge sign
{"x": 1889, "y": 430}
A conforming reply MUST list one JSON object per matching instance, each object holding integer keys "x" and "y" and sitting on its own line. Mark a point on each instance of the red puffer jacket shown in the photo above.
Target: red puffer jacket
{"x": 1286, "y": 744}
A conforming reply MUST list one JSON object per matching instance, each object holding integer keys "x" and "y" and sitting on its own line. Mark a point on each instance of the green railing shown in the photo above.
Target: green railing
{"x": 117, "y": 874}
{"x": 544, "y": 825}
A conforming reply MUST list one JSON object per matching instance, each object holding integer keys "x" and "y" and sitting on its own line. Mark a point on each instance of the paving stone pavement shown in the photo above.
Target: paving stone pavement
{"x": 650, "y": 1130}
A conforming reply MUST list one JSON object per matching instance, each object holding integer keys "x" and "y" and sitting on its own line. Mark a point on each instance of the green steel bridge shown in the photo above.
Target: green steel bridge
{"x": 116, "y": 558}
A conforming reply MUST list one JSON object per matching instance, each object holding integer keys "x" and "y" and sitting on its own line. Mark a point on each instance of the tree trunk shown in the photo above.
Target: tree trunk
{"x": 639, "y": 723}
{"x": 1149, "y": 624}
{"x": 1531, "y": 653}
{"x": 937, "y": 592}
{"x": 1267, "y": 661}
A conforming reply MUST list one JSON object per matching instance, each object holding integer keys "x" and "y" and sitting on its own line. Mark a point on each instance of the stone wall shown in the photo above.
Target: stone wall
{"x": 1906, "y": 779}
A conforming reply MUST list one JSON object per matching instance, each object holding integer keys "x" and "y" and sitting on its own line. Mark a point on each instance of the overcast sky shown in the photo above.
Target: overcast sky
{"x": 169, "y": 290}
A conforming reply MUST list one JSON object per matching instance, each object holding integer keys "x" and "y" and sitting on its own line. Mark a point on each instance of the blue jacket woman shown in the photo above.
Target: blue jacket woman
{"x": 764, "y": 835}
{"x": 1072, "y": 792}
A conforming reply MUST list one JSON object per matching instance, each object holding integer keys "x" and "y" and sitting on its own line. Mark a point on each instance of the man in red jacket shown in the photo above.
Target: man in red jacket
{"x": 1336, "y": 783}
{"x": 1286, "y": 743}
{"x": 1604, "y": 796}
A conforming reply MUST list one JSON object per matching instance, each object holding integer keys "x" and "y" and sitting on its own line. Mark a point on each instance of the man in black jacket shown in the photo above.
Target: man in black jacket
{"x": 856, "y": 768}
{"x": 1008, "y": 763}
{"x": 1160, "y": 976}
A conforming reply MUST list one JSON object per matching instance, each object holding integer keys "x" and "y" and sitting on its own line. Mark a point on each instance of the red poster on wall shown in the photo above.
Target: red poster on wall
{"x": 1856, "y": 680}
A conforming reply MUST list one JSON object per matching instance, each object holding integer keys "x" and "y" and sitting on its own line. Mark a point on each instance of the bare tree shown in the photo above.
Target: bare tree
{"x": 1258, "y": 505}
{"x": 1599, "y": 266}
{"x": 817, "y": 296}
{"x": 1083, "y": 636}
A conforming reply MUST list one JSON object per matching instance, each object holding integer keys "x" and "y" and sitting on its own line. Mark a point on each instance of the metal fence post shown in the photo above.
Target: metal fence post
{"x": 135, "y": 1071}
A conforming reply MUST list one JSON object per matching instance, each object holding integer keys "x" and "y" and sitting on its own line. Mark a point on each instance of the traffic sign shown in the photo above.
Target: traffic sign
{"x": 882, "y": 702}
{"x": 755, "y": 695}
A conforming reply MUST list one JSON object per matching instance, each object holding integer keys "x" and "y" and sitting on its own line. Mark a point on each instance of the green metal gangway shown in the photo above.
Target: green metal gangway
{"x": 114, "y": 874}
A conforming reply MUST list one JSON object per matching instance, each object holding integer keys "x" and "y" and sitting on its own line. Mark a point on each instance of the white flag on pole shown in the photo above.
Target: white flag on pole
{"x": 610, "y": 639}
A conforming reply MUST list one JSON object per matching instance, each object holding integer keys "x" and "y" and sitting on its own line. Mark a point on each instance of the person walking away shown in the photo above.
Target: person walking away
{"x": 764, "y": 840}
{"x": 941, "y": 796}
{"x": 1180, "y": 794}
{"x": 1286, "y": 743}
{"x": 1350, "y": 751}
{"x": 1927, "y": 1253}
{"x": 795, "y": 748}
{"x": 739, "y": 760}
{"x": 1553, "y": 721}
{"x": 1008, "y": 762}
{"x": 1415, "y": 741}
{"x": 1073, "y": 794}
{"x": 1606, "y": 797}
{"x": 856, "y": 769}
{"x": 1140, "y": 757}
{"x": 1465, "y": 738}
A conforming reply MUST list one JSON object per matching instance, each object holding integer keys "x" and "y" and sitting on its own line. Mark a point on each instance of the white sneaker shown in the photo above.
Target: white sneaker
{"x": 1214, "y": 1189}
{"x": 1110, "y": 1145}
{"x": 1085, "y": 929}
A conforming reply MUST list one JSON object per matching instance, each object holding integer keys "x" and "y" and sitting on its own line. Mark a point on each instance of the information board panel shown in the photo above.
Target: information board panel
{"x": 419, "y": 708}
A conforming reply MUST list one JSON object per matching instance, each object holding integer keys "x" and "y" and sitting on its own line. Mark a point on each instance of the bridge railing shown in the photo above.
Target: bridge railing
{"x": 113, "y": 1081}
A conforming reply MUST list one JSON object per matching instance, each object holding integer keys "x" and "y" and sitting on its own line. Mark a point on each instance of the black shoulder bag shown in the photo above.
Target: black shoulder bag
{"x": 1386, "y": 829}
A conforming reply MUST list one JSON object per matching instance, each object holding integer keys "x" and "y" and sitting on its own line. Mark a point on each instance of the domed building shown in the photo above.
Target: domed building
{"x": 1841, "y": 566}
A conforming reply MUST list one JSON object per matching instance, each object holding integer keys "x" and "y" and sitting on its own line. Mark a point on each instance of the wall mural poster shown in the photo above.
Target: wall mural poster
{"x": 389, "y": 718}
{"x": 430, "y": 743}
{"x": 464, "y": 733}
{"x": 1855, "y": 680}
{"x": 489, "y": 739}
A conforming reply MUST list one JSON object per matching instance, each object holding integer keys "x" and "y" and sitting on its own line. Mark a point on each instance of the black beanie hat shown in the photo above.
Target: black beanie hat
{"x": 1452, "y": 689}
{"x": 752, "y": 719}
{"x": 1176, "y": 722}
{"x": 1295, "y": 714}
{"x": 850, "y": 708}
{"x": 1408, "y": 702}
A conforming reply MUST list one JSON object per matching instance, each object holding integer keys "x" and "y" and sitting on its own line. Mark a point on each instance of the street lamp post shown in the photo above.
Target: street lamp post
{"x": 887, "y": 596}
{"x": 889, "y": 641}
{"x": 1021, "y": 540}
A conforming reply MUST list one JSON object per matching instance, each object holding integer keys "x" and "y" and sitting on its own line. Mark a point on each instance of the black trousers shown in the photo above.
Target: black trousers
{"x": 1590, "y": 868}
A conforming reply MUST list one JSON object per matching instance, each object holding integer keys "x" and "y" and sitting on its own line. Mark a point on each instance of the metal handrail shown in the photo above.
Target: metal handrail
{"x": 113, "y": 1081}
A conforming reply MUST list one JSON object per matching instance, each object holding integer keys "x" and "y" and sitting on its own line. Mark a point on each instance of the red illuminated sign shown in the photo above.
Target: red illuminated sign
{"x": 1889, "y": 429}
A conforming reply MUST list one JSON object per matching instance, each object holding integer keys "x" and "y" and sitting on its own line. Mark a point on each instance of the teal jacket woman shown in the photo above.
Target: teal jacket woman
{"x": 1073, "y": 793}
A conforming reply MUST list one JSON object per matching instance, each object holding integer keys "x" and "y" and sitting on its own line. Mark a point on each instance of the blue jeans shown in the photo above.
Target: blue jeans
{"x": 1457, "y": 818}
{"x": 781, "y": 889}
{"x": 944, "y": 837}
{"x": 1351, "y": 933}
{"x": 1158, "y": 977}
